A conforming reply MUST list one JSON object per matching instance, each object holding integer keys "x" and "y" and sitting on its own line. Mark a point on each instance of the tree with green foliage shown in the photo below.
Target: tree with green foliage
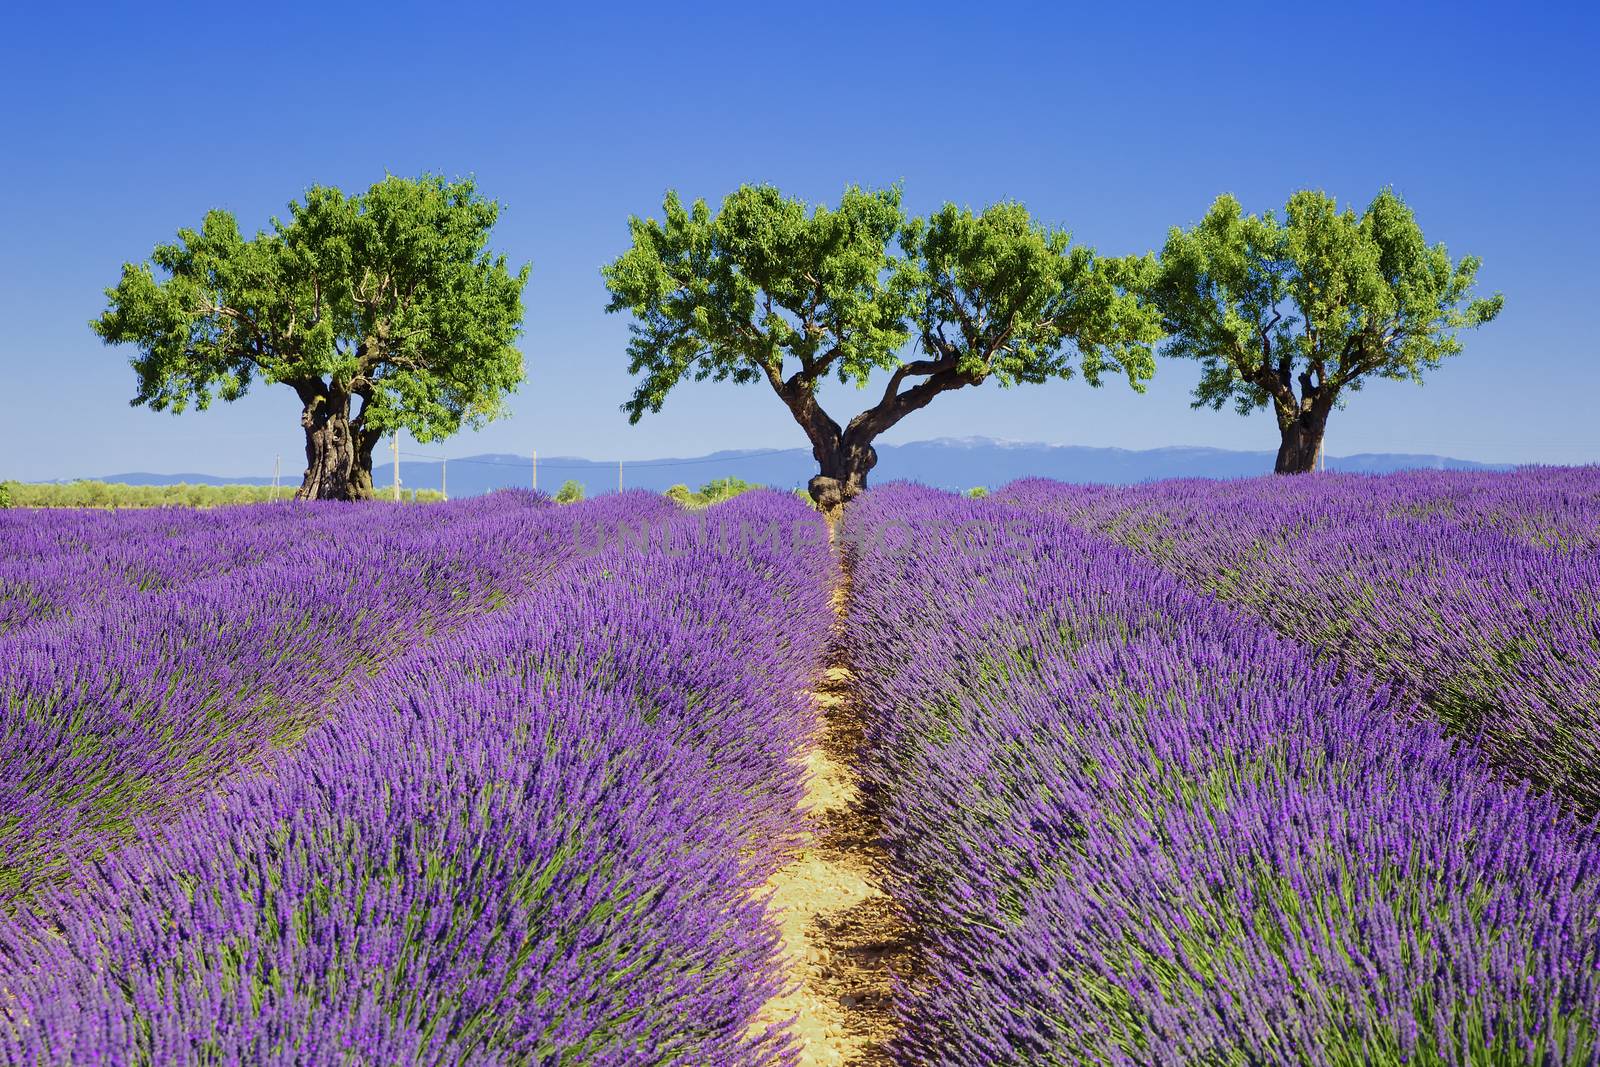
{"x": 771, "y": 290}
{"x": 720, "y": 489}
{"x": 571, "y": 492}
{"x": 5, "y": 494}
{"x": 1297, "y": 314}
{"x": 388, "y": 297}
{"x": 713, "y": 492}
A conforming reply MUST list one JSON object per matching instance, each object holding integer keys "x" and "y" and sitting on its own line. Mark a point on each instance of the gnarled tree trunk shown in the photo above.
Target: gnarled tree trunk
{"x": 1302, "y": 442}
{"x": 338, "y": 447}
{"x": 843, "y": 471}
{"x": 845, "y": 455}
{"x": 330, "y": 445}
{"x": 1302, "y": 419}
{"x": 365, "y": 442}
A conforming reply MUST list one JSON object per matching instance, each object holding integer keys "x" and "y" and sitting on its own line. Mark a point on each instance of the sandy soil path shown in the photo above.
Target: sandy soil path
{"x": 842, "y": 935}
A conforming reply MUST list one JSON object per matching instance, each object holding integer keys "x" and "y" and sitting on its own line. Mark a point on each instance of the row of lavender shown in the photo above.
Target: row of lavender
{"x": 133, "y": 701}
{"x": 1138, "y": 827}
{"x": 59, "y": 561}
{"x": 1554, "y": 506}
{"x": 536, "y": 838}
{"x": 1434, "y": 582}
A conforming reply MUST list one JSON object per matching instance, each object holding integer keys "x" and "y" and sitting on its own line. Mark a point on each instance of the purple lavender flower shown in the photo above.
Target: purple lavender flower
{"x": 1137, "y": 827}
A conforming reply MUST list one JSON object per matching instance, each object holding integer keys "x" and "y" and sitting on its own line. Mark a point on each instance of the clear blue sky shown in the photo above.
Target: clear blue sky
{"x": 1116, "y": 120}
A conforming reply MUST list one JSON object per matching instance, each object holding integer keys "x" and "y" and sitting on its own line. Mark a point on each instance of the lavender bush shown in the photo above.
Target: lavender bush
{"x": 141, "y": 700}
{"x": 58, "y": 561}
{"x": 1442, "y": 585}
{"x": 534, "y": 838}
{"x": 1137, "y": 827}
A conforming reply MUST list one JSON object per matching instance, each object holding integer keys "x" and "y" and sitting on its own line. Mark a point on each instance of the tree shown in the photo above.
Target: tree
{"x": 571, "y": 492}
{"x": 720, "y": 489}
{"x": 1299, "y": 314}
{"x": 713, "y": 492}
{"x": 389, "y": 297}
{"x": 770, "y": 290}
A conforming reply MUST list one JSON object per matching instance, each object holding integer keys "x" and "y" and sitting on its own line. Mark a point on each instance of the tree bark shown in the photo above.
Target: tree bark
{"x": 366, "y": 441}
{"x": 842, "y": 474}
{"x": 1302, "y": 442}
{"x": 332, "y": 468}
{"x": 845, "y": 456}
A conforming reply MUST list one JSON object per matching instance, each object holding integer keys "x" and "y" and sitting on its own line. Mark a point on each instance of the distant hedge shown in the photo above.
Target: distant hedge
{"x": 713, "y": 492}
{"x": 92, "y": 494}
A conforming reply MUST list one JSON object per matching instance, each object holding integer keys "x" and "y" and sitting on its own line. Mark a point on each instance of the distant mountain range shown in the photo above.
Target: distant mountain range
{"x": 950, "y": 463}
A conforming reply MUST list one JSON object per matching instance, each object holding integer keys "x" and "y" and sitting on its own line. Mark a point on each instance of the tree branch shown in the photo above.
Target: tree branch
{"x": 797, "y": 396}
{"x": 865, "y": 427}
{"x": 246, "y": 322}
{"x": 1350, "y": 366}
{"x": 921, "y": 368}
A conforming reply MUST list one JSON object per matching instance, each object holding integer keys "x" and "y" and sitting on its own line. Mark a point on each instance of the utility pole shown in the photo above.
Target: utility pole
{"x": 536, "y": 470}
{"x": 277, "y": 463}
{"x": 444, "y": 479}
{"x": 619, "y": 475}
{"x": 394, "y": 446}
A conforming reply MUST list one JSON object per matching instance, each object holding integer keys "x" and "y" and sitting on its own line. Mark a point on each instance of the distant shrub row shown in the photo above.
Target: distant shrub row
{"x": 92, "y": 494}
{"x": 713, "y": 492}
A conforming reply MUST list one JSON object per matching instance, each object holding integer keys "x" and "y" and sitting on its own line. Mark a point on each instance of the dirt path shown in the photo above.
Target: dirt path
{"x": 842, "y": 935}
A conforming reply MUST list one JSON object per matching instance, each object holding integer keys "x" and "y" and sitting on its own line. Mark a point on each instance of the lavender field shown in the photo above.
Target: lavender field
{"x": 1279, "y": 771}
